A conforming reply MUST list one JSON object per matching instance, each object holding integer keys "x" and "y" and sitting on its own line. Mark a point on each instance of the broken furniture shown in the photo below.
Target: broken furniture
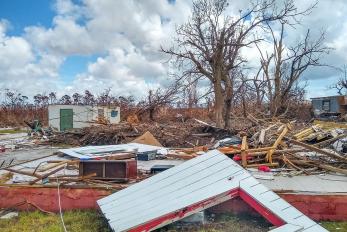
{"x": 117, "y": 170}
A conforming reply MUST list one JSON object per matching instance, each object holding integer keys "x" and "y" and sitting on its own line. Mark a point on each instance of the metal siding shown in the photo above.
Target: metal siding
{"x": 197, "y": 180}
{"x": 334, "y": 105}
{"x": 317, "y": 104}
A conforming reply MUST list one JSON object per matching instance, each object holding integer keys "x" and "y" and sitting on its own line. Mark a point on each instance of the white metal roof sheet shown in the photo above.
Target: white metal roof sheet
{"x": 90, "y": 152}
{"x": 194, "y": 181}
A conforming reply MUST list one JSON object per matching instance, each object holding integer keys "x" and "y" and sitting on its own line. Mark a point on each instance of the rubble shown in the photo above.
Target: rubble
{"x": 267, "y": 149}
{"x": 174, "y": 134}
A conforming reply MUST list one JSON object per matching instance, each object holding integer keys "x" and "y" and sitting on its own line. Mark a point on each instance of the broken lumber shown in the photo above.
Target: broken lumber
{"x": 326, "y": 142}
{"x": 243, "y": 151}
{"x": 322, "y": 166}
{"x": 277, "y": 142}
{"x": 318, "y": 150}
{"x": 27, "y": 173}
{"x": 46, "y": 175}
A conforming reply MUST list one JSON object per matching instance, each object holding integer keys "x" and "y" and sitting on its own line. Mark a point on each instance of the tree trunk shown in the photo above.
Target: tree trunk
{"x": 218, "y": 103}
{"x": 228, "y": 101}
{"x": 151, "y": 113}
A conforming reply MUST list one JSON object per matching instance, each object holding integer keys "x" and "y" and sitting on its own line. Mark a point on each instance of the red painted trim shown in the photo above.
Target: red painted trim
{"x": 317, "y": 207}
{"x": 166, "y": 219}
{"x": 266, "y": 213}
{"x": 47, "y": 198}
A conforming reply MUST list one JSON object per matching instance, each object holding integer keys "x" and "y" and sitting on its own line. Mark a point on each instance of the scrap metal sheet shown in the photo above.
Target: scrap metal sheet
{"x": 91, "y": 152}
{"x": 197, "y": 180}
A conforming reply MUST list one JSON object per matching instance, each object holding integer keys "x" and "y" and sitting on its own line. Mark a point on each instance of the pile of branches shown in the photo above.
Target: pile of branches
{"x": 173, "y": 134}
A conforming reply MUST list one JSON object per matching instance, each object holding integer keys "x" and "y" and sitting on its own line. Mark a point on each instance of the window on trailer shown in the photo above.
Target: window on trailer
{"x": 326, "y": 105}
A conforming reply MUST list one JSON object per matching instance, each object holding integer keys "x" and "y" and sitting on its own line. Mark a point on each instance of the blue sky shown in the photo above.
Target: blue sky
{"x": 69, "y": 46}
{"x": 24, "y": 13}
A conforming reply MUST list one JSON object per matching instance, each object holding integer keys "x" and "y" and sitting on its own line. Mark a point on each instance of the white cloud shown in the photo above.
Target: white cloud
{"x": 21, "y": 70}
{"x": 126, "y": 37}
{"x": 116, "y": 71}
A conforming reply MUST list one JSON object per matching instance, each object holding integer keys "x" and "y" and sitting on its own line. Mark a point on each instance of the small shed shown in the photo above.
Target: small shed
{"x": 64, "y": 117}
{"x": 333, "y": 105}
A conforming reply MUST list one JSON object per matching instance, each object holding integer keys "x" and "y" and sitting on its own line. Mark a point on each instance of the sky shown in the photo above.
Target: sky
{"x": 69, "y": 46}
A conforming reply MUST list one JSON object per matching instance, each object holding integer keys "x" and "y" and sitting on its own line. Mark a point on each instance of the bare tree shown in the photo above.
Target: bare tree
{"x": 77, "y": 98}
{"x": 66, "y": 100}
{"x": 106, "y": 98}
{"x": 52, "y": 97}
{"x": 41, "y": 99}
{"x": 209, "y": 44}
{"x": 158, "y": 98}
{"x": 341, "y": 84}
{"x": 88, "y": 98}
{"x": 14, "y": 99}
{"x": 283, "y": 68}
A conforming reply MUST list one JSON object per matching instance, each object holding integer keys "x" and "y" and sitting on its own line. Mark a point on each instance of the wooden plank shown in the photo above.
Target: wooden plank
{"x": 277, "y": 142}
{"x": 28, "y": 161}
{"x": 48, "y": 167}
{"x": 243, "y": 151}
{"x": 330, "y": 125}
{"x": 262, "y": 136}
{"x": 27, "y": 173}
{"x": 232, "y": 151}
{"x": 326, "y": 142}
{"x": 316, "y": 149}
{"x": 323, "y": 166}
{"x": 46, "y": 175}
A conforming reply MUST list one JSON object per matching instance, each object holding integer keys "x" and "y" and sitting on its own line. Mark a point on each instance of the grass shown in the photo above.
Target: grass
{"x": 335, "y": 226}
{"x": 12, "y": 131}
{"x": 91, "y": 221}
{"x": 86, "y": 221}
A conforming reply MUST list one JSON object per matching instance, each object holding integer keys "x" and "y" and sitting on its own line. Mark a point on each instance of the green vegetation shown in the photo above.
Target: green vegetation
{"x": 12, "y": 131}
{"x": 93, "y": 221}
{"x": 75, "y": 221}
{"x": 335, "y": 226}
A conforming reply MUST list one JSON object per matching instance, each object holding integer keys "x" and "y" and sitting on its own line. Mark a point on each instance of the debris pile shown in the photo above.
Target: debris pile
{"x": 175, "y": 134}
{"x": 287, "y": 148}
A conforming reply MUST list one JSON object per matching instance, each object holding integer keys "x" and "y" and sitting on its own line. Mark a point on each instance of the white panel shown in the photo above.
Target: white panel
{"x": 207, "y": 176}
{"x": 287, "y": 228}
{"x": 163, "y": 176}
{"x": 315, "y": 228}
{"x": 90, "y": 152}
{"x": 188, "y": 195}
{"x": 174, "y": 188}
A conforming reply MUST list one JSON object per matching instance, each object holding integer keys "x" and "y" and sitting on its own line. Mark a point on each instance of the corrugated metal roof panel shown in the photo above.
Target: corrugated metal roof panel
{"x": 90, "y": 152}
{"x": 207, "y": 179}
